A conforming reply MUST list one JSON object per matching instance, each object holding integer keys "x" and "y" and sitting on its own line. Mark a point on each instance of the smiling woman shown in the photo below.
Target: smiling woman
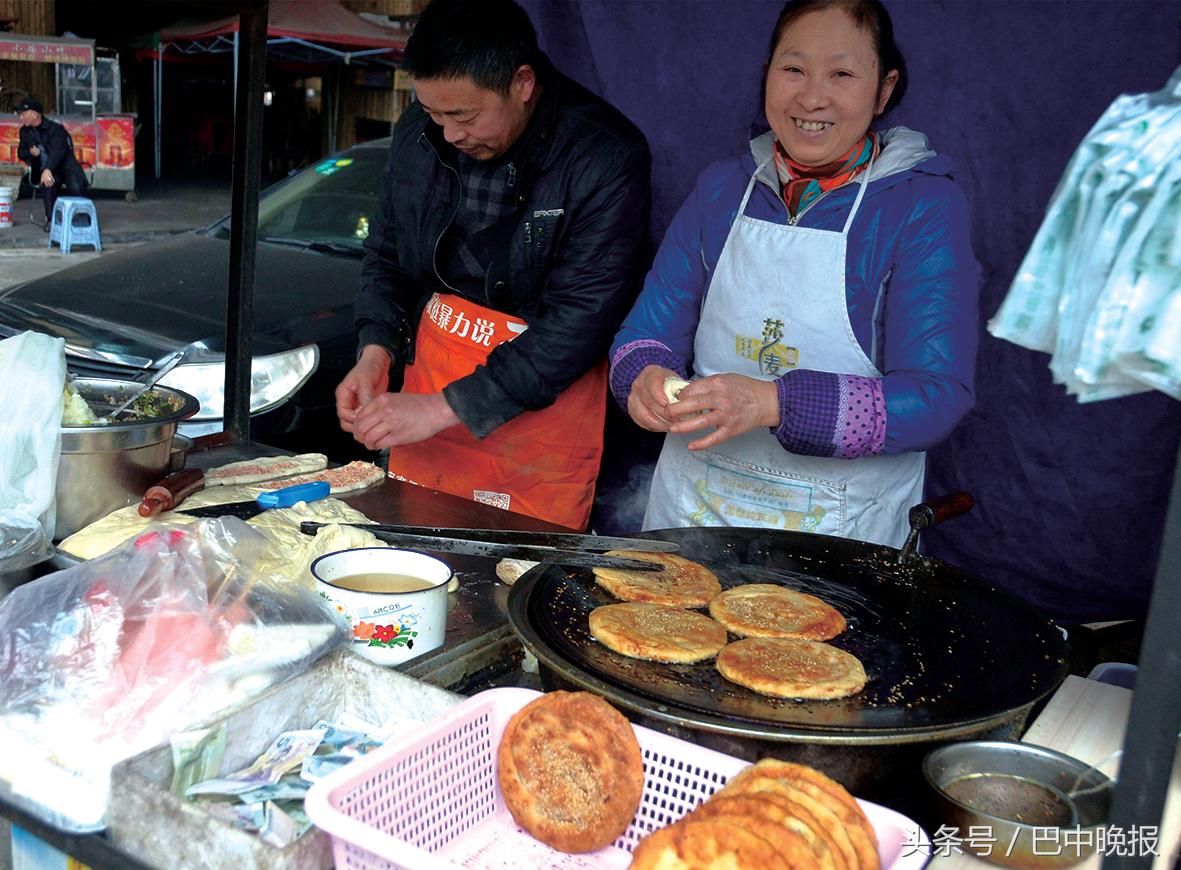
{"x": 820, "y": 295}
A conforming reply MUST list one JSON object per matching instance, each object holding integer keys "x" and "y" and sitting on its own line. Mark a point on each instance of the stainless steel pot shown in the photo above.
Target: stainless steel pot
{"x": 104, "y": 468}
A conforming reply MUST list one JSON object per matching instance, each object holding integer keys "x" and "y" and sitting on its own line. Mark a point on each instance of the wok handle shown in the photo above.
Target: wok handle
{"x": 931, "y": 513}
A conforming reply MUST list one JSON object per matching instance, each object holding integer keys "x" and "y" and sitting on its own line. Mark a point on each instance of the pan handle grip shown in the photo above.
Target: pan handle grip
{"x": 930, "y": 513}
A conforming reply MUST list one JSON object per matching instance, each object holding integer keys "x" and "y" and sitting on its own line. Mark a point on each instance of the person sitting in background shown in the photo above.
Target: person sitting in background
{"x": 47, "y": 148}
{"x": 822, "y": 291}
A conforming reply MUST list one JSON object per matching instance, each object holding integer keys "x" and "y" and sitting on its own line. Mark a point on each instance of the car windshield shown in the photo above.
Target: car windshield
{"x": 327, "y": 205}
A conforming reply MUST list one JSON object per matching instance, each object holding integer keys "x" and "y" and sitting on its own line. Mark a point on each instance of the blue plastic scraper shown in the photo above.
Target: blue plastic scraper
{"x": 276, "y": 498}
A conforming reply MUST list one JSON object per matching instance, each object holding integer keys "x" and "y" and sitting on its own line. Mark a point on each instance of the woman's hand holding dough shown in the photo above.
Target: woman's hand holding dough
{"x": 647, "y": 403}
{"x": 733, "y": 404}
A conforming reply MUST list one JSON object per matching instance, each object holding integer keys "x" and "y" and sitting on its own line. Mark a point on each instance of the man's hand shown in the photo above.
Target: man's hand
{"x": 733, "y": 404}
{"x": 370, "y": 377}
{"x": 34, "y": 150}
{"x": 646, "y": 403}
{"x": 393, "y": 419}
{"x": 46, "y": 178}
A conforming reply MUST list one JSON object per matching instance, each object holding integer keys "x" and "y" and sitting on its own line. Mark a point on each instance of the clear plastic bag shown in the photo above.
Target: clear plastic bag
{"x": 1093, "y": 284}
{"x": 34, "y": 367}
{"x": 109, "y": 658}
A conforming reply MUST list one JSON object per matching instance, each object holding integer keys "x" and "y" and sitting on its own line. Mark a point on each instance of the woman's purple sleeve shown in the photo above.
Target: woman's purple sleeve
{"x": 829, "y": 414}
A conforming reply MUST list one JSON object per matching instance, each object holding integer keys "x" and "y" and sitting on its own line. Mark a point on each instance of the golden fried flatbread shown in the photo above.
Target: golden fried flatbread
{"x": 707, "y": 844}
{"x": 828, "y": 824}
{"x": 784, "y": 667}
{"x": 792, "y": 817}
{"x": 767, "y": 610}
{"x": 657, "y": 632}
{"x": 682, "y": 583}
{"x": 570, "y": 770}
{"x": 824, "y": 791}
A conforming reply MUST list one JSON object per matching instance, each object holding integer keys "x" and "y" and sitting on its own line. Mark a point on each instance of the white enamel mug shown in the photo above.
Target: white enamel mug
{"x": 389, "y": 628}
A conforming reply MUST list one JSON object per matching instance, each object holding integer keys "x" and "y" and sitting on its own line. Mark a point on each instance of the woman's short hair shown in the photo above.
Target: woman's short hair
{"x": 869, "y": 15}
{"x": 486, "y": 41}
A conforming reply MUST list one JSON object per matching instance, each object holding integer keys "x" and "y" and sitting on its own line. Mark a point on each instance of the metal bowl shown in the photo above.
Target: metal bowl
{"x": 1017, "y": 804}
{"x": 104, "y": 468}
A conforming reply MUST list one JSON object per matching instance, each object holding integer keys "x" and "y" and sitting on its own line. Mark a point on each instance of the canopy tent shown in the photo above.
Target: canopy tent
{"x": 315, "y": 31}
{"x": 319, "y": 27}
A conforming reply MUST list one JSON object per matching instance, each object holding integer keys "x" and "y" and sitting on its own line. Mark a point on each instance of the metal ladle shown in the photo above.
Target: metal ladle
{"x": 151, "y": 382}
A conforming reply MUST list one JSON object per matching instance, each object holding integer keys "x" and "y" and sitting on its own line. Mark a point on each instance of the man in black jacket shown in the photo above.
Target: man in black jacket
{"x": 46, "y": 147}
{"x": 507, "y": 246}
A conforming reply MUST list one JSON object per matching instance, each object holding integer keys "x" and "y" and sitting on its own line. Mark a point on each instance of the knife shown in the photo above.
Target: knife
{"x": 559, "y": 540}
{"x": 275, "y": 498}
{"x": 495, "y": 550}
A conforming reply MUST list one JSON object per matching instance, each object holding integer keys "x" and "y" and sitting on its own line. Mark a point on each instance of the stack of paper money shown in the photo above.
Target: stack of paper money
{"x": 267, "y": 796}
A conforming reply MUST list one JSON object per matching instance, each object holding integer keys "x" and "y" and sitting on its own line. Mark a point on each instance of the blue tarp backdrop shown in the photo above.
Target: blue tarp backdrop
{"x": 1070, "y": 498}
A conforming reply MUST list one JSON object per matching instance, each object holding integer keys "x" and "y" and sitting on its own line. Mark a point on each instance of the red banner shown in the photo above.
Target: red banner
{"x": 116, "y": 142}
{"x": 108, "y": 143}
{"x": 46, "y": 51}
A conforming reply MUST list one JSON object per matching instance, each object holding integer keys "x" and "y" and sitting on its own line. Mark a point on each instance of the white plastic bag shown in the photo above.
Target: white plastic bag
{"x": 107, "y": 659}
{"x": 34, "y": 367}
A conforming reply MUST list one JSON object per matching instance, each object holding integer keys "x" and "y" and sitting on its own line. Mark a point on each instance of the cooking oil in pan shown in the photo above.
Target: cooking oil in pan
{"x": 1015, "y": 798}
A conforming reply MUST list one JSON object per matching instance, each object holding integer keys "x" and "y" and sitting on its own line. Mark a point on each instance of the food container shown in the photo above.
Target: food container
{"x": 179, "y": 454}
{"x": 163, "y": 830}
{"x": 1039, "y": 808}
{"x": 388, "y": 627}
{"x": 430, "y": 800}
{"x": 105, "y": 467}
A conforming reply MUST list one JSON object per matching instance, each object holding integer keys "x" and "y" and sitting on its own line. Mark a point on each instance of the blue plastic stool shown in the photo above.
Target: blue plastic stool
{"x": 65, "y": 228}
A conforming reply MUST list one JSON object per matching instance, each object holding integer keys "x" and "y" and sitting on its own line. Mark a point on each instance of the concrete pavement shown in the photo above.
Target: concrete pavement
{"x": 161, "y": 209}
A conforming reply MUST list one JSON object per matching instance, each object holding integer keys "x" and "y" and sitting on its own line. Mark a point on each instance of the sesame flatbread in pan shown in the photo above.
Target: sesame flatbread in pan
{"x": 682, "y": 583}
{"x": 657, "y": 632}
{"x": 785, "y": 667}
{"x": 925, "y": 633}
{"x": 769, "y": 610}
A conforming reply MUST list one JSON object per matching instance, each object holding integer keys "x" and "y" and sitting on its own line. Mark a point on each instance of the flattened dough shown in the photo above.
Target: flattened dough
{"x": 767, "y": 610}
{"x": 785, "y": 667}
{"x": 682, "y": 583}
{"x": 657, "y": 632}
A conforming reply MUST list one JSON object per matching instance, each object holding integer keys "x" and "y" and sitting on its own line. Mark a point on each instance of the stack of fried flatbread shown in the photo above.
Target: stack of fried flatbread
{"x": 779, "y": 653}
{"x": 774, "y": 815}
{"x": 571, "y": 771}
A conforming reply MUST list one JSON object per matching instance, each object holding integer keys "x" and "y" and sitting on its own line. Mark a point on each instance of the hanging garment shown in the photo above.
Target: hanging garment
{"x": 540, "y": 463}
{"x": 779, "y": 290}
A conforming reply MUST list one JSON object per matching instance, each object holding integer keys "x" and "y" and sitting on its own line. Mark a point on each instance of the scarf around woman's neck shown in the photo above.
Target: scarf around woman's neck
{"x": 803, "y": 184}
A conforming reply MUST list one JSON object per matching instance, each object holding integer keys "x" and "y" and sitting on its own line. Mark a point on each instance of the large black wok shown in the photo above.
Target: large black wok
{"x": 948, "y": 655}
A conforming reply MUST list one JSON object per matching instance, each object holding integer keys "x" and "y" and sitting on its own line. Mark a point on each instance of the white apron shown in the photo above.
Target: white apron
{"x": 777, "y": 302}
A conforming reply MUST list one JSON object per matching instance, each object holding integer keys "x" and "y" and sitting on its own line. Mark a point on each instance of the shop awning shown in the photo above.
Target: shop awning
{"x": 298, "y": 29}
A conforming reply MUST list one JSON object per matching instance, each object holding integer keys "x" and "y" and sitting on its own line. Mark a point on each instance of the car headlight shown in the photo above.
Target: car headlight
{"x": 273, "y": 380}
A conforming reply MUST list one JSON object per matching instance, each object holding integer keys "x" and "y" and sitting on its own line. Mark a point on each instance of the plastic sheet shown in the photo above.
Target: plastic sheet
{"x": 34, "y": 367}
{"x": 1100, "y": 282}
{"x": 107, "y": 659}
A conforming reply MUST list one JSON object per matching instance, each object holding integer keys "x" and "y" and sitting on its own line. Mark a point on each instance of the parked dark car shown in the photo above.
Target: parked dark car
{"x": 124, "y": 314}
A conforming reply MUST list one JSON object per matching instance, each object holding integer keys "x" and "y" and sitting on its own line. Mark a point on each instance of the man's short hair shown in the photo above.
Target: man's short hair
{"x": 486, "y": 41}
{"x": 28, "y": 103}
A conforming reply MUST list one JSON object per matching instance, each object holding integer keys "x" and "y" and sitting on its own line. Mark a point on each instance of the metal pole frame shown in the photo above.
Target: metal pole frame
{"x": 159, "y": 103}
{"x": 247, "y": 170}
{"x": 1151, "y": 739}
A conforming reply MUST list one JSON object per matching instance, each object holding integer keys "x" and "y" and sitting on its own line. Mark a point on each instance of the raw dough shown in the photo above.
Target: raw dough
{"x": 264, "y": 468}
{"x": 673, "y": 387}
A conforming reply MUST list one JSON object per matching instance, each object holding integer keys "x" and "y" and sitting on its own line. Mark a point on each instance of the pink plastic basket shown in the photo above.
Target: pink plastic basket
{"x": 429, "y": 800}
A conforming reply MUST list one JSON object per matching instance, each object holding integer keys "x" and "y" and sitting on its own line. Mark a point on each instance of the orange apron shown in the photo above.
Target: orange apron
{"x": 541, "y": 463}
